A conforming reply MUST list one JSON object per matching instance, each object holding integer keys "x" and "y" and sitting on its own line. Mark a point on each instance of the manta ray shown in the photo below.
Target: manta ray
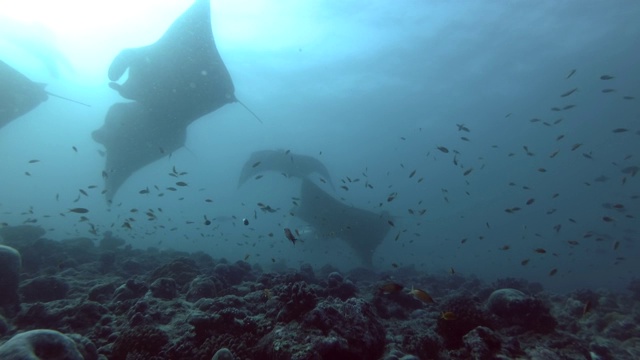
{"x": 172, "y": 83}
{"x": 361, "y": 229}
{"x": 19, "y": 95}
{"x": 285, "y": 162}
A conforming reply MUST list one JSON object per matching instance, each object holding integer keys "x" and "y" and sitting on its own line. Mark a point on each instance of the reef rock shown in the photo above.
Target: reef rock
{"x": 10, "y": 263}
{"x": 40, "y": 344}
{"x": 513, "y": 307}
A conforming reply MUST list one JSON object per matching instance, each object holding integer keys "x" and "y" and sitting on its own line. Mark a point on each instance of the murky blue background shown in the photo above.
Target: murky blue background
{"x": 365, "y": 86}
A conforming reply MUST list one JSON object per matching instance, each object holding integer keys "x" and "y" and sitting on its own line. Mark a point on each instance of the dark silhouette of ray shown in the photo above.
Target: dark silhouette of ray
{"x": 18, "y": 94}
{"x": 284, "y": 162}
{"x": 361, "y": 229}
{"x": 173, "y": 82}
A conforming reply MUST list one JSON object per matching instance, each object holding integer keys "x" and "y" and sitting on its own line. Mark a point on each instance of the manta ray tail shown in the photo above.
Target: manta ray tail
{"x": 249, "y": 110}
{"x": 64, "y": 98}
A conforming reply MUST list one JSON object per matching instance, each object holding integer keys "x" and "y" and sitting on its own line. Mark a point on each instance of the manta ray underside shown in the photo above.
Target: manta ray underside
{"x": 361, "y": 229}
{"x": 173, "y": 82}
{"x": 284, "y": 162}
{"x": 18, "y": 94}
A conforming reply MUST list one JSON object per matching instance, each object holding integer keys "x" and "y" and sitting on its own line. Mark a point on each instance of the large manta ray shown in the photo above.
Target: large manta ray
{"x": 285, "y": 162}
{"x": 363, "y": 230}
{"x": 173, "y": 82}
{"x": 18, "y": 94}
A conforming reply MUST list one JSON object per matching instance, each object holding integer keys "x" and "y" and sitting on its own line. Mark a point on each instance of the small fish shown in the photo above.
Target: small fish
{"x": 144, "y": 191}
{"x": 452, "y": 271}
{"x": 524, "y": 262}
{"x": 79, "y": 210}
{"x": 573, "y": 242}
{"x": 616, "y": 245}
{"x": 530, "y": 201}
{"x": 421, "y": 295}
{"x": 412, "y": 174}
{"x": 394, "y": 265}
{"x": 573, "y": 71}
{"x": 619, "y": 130}
{"x": 290, "y": 236}
{"x": 606, "y": 91}
{"x": 443, "y": 149}
{"x": 390, "y": 287}
{"x": 540, "y": 251}
{"x": 245, "y": 222}
{"x": 567, "y": 107}
{"x": 258, "y": 177}
{"x": 447, "y": 315}
{"x": 586, "y": 308}
{"x": 606, "y": 77}
{"x": 553, "y": 272}
{"x": 467, "y": 172}
{"x": 74, "y": 148}
{"x": 565, "y": 94}
{"x": 33, "y": 161}
{"x": 542, "y": 170}
{"x": 607, "y": 219}
{"x": 246, "y": 257}
{"x": 256, "y": 164}
{"x": 182, "y": 183}
{"x": 505, "y": 247}
{"x": 392, "y": 196}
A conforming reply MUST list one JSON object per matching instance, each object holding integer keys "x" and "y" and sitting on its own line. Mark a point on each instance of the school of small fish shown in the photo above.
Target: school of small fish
{"x": 472, "y": 159}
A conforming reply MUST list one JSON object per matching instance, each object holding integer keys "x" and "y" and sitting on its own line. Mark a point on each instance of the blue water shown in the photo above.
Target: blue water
{"x": 368, "y": 87}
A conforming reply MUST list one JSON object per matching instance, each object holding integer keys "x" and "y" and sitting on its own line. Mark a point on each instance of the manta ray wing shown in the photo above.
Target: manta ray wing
{"x": 134, "y": 136}
{"x": 18, "y": 94}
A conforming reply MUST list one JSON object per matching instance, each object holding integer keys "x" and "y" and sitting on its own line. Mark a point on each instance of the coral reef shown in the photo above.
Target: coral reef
{"x": 159, "y": 305}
